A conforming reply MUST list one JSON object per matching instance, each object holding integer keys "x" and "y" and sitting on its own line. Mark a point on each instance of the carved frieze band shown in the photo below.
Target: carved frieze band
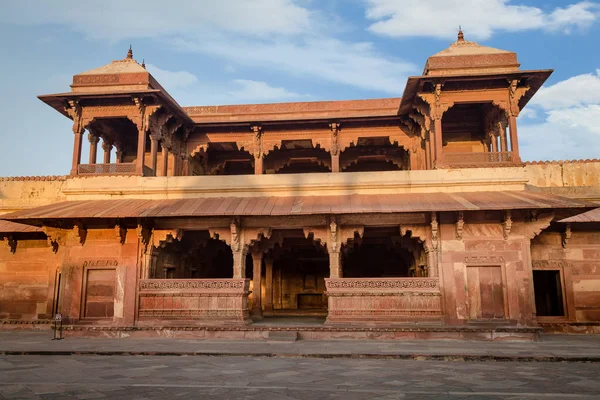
{"x": 179, "y": 284}
{"x": 550, "y": 264}
{"x": 484, "y": 260}
{"x": 383, "y": 283}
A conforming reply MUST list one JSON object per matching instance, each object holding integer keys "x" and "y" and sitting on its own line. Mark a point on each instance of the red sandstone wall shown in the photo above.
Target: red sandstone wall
{"x": 99, "y": 279}
{"x": 579, "y": 264}
{"x": 27, "y": 279}
{"x": 485, "y": 277}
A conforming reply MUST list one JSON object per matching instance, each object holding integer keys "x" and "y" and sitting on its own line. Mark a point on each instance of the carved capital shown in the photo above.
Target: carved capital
{"x": 257, "y": 142}
{"x": 538, "y": 223}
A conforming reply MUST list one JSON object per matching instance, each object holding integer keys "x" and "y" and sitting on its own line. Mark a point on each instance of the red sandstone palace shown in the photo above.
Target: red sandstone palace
{"x": 388, "y": 218}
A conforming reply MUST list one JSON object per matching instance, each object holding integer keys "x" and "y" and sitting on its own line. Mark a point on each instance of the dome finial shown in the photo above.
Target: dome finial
{"x": 143, "y": 63}
{"x": 461, "y": 36}
{"x": 129, "y": 54}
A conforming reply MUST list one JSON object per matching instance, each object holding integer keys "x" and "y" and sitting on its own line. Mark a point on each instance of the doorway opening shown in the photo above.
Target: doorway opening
{"x": 548, "y": 293}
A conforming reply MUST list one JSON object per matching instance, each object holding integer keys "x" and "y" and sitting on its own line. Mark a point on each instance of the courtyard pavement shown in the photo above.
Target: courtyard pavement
{"x": 203, "y": 377}
{"x": 573, "y": 348}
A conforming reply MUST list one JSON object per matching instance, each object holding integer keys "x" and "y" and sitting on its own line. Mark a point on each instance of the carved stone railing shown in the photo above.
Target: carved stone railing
{"x": 383, "y": 300}
{"x": 476, "y": 160}
{"x": 194, "y": 300}
{"x": 107, "y": 169}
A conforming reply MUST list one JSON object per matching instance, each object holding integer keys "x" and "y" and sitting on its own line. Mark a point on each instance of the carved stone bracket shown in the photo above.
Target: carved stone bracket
{"x": 566, "y": 235}
{"x": 79, "y": 232}
{"x": 537, "y": 224}
{"x": 144, "y": 233}
{"x": 56, "y": 237}
{"x": 460, "y": 224}
{"x": 334, "y": 147}
{"x": 257, "y": 150}
{"x": 11, "y": 242}
{"x": 418, "y": 232}
{"x": 120, "y": 233}
{"x": 507, "y": 224}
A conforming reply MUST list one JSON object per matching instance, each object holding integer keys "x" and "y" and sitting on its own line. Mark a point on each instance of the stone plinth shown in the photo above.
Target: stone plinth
{"x": 202, "y": 301}
{"x": 383, "y": 300}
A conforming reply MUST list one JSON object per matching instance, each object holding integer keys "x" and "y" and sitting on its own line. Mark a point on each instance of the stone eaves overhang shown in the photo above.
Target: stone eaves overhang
{"x": 586, "y": 217}
{"x": 418, "y": 84}
{"x": 59, "y": 100}
{"x": 276, "y": 206}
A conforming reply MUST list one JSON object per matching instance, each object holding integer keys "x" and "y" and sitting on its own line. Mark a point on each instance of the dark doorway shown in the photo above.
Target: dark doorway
{"x": 548, "y": 294}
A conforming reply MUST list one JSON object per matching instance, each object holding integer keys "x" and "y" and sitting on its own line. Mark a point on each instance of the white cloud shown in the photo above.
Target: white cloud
{"x": 575, "y": 91}
{"x": 479, "y": 18}
{"x": 172, "y": 80}
{"x": 278, "y": 35}
{"x": 117, "y": 19}
{"x": 572, "y": 121}
{"x": 354, "y": 64}
{"x": 256, "y": 91}
{"x": 528, "y": 113}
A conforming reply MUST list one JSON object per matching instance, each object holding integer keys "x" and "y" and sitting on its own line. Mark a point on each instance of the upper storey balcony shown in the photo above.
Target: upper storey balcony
{"x": 461, "y": 113}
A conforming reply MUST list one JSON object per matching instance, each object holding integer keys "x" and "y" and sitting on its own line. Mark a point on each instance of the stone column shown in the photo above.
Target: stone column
{"x": 93, "y": 147}
{"x": 438, "y": 142}
{"x": 258, "y": 164}
{"x": 335, "y": 162}
{"x": 503, "y": 142}
{"x": 494, "y": 141}
{"x": 268, "y": 303}
{"x": 335, "y": 264}
{"x": 141, "y": 152}
{"x": 257, "y": 257}
{"x": 428, "y": 153}
{"x": 239, "y": 265}
{"x": 514, "y": 142}
{"x": 76, "y": 150}
{"x": 154, "y": 153}
{"x": 106, "y": 146}
{"x": 165, "y": 160}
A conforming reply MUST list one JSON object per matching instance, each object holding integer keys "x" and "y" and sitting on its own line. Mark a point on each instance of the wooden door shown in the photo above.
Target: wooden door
{"x": 485, "y": 292}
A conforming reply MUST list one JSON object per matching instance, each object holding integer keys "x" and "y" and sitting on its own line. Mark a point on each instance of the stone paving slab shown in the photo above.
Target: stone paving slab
{"x": 148, "y": 377}
{"x": 548, "y": 348}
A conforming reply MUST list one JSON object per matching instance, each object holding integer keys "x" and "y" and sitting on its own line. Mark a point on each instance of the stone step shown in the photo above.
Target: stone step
{"x": 283, "y": 336}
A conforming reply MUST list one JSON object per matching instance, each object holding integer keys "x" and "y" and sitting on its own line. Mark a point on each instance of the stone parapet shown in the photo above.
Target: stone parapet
{"x": 201, "y": 300}
{"x": 383, "y": 300}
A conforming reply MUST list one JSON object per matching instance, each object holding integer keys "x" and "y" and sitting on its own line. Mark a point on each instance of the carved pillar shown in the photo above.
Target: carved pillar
{"x": 268, "y": 303}
{"x": 106, "y": 146}
{"x": 76, "y": 148}
{"x": 154, "y": 152}
{"x": 257, "y": 257}
{"x": 165, "y": 159}
{"x": 141, "y": 151}
{"x": 438, "y": 141}
{"x": 258, "y": 152}
{"x": 335, "y": 264}
{"x": 494, "y": 141}
{"x": 93, "y": 147}
{"x": 514, "y": 142}
{"x": 239, "y": 264}
{"x": 502, "y": 132}
{"x": 335, "y": 148}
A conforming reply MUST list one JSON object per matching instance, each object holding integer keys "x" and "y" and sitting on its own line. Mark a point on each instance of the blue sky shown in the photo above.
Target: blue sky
{"x": 263, "y": 51}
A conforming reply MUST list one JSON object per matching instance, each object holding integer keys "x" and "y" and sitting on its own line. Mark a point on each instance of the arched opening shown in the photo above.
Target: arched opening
{"x": 297, "y": 156}
{"x": 112, "y": 147}
{"x": 383, "y": 253}
{"x": 374, "y": 154}
{"x": 195, "y": 256}
{"x": 294, "y": 277}
{"x": 223, "y": 158}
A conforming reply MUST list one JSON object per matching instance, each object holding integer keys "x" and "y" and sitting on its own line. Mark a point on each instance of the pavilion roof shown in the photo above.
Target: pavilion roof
{"x": 589, "y": 216}
{"x": 307, "y": 110}
{"x": 13, "y": 227}
{"x": 294, "y": 205}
